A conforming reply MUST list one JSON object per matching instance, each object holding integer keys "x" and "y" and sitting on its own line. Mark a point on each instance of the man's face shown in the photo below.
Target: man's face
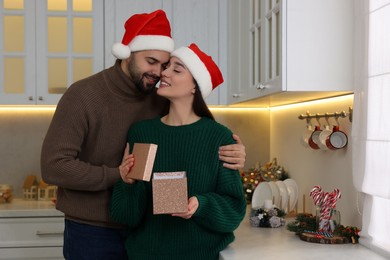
{"x": 144, "y": 68}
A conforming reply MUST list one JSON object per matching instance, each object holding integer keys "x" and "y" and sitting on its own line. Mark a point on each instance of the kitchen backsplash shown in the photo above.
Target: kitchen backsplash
{"x": 22, "y": 133}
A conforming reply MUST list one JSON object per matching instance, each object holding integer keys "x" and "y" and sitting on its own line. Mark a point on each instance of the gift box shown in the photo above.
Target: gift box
{"x": 144, "y": 155}
{"x": 169, "y": 192}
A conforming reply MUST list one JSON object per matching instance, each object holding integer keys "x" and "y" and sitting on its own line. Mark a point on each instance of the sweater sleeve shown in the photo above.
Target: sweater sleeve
{"x": 128, "y": 203}
{"x": 224, "y": 209}
{"x": 65, "y": 139}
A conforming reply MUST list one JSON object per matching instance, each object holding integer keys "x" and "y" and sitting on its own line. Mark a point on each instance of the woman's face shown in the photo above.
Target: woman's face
{"x": 176, "y": 81}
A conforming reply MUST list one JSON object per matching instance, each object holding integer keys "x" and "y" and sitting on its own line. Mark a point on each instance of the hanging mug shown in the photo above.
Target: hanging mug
{"x": 337, "y": 139}
{"x": 323, "y": 136}
{"x": 306, "y": 135}
{"x": 313, "y": 140}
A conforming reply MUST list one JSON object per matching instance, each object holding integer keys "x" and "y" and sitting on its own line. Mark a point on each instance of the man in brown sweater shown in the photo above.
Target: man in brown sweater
{"x": 84, "y": 144}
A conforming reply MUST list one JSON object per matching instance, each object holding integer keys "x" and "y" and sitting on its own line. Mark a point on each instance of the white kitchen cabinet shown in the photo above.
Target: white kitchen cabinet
{"x": 291, "y": 48}
{"x": 30, "y": 230}
{"x": 31, "y": 238}
{"x": 45, "y": 45}
{"x": 201, "y": 21}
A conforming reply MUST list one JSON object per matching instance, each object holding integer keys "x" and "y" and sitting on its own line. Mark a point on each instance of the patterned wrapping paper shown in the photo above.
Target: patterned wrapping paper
{"x": 144, "y": 155}
{"x": 169, "y": 192}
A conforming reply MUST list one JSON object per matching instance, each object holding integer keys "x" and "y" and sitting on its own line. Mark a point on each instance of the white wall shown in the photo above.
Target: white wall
{"x": 328, "y": 169}
{"x": 21, "y": 136}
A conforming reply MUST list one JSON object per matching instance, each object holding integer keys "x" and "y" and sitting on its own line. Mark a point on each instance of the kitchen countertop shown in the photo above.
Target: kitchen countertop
{"x": 279, "y": 243}
{"x": 250, "y": 243}
{"x": 20, "y": 208}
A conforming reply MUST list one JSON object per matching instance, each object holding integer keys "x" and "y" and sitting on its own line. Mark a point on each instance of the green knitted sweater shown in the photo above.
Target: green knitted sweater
{"x": 192, "y": 148}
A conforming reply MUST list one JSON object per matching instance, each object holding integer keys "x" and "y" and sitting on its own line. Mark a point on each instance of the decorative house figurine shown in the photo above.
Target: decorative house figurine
{"x": 30, "y": 188}
{"x": 46, "y": 191}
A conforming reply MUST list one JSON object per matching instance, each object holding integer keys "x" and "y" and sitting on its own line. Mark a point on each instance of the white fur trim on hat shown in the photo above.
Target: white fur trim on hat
{"x": 120, "y": 51}
{"x": 152, "y": 42}
{"x": 197, "y": 69}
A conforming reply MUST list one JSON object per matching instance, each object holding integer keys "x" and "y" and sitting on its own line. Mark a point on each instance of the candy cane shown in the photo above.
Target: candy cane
{"x": 335, "y": 196}
{"x": 330, "y": 203}
{"x": 317, "y": 195}
{"x": 326, "y": 212}
{"x": 325, "y": 201}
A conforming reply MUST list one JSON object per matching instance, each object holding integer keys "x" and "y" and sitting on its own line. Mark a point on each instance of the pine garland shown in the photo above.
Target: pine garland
{"x": 303, "y": 222}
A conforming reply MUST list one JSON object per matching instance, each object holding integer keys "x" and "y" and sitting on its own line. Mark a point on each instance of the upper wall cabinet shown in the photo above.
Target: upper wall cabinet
{"x": 201, "y": 21}
{"x": 45, "y": 45}
{"x": 290, "y": 46}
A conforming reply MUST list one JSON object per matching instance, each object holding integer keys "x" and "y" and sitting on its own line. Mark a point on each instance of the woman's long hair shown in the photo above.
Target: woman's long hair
{"x": 199, "y": 105}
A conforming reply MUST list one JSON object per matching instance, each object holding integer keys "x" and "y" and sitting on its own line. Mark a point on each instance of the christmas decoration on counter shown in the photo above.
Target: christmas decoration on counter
{"x": 325, "y": 226}
{"x": 350, "y": 232}
{"x": 38, "y": 190}
{"x": 5, "y": 193}
{"x": 267, "y": 217}
{"x": 30, "y": 188}
{"x": 46, "y": 191}
{"x": 270, "y": 171}
{"x": 304, "y": 222}
{"x": 305, "y": 226}
{"x": 326, "y": 202}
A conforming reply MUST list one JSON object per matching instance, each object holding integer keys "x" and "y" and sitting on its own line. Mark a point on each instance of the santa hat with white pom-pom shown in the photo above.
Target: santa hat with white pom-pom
{"x": 145, "y": 32}
{"x": 202, "y": 67}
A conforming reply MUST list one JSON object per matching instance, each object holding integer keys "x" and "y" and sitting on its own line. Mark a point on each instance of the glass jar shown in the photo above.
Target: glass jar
{"x": 328, "y": 223}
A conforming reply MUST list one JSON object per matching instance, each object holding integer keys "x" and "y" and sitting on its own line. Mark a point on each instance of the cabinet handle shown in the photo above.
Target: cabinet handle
{"x": 49, "y": 233}
{"x": 260, "y": 86}
{"x": 236, "y": 95}
{"x": 30, "y": 98}
{"x": 40, "y": 98}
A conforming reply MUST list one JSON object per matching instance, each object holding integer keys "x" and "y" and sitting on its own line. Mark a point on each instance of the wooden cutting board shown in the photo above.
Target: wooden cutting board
{"x": 314, "y": 238}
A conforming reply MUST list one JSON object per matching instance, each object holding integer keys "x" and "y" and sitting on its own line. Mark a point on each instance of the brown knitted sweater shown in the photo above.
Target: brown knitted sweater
{"x": 85, "y": 142}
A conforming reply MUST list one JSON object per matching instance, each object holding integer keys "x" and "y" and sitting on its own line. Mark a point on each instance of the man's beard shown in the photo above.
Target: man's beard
{"x": 145, "y": 88}
{"x": 138, "y": 79}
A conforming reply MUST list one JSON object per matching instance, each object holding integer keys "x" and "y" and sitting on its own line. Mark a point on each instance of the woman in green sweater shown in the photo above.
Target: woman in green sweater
{"x": 188, "y": 139}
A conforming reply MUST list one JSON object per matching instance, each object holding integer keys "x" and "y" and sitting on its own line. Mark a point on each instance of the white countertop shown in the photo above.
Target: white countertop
{"x": 279, "y": 243}
{"x": 28, "y": 208}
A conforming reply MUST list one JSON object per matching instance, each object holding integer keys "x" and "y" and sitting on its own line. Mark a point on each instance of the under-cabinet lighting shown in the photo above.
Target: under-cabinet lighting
{"x": 345, "y": 98}
{"x": 27, "y": 108}
{"x": 238, "y": 109}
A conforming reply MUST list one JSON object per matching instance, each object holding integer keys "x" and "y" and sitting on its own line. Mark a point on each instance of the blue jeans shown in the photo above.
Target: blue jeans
{"x": 86, "y": 242}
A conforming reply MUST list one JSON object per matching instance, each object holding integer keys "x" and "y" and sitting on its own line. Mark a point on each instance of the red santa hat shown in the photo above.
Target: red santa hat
{"x": 202, "y": 67}
{"x": 145, "y": 32}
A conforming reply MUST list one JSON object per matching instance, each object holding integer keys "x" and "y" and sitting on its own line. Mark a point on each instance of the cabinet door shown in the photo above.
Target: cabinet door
{"x": 239, "y": 51}
{"x": 294, "y": 46}
{"x": 31, "y": 232}
{"x": 70, "y": 45}
{"x": 32, "y": 253}
{"x": 46, "y": 45}
{"x": 319, "y": 45}
{"x": 273, "y": 24}
{"x": 17, "y": 52}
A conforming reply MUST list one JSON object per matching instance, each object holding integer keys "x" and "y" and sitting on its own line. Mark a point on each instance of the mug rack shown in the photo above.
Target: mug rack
{"x": 336, "y": 115}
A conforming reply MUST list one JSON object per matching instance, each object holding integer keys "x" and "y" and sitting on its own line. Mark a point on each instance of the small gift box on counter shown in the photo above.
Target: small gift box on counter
{"x": 144, "y": 155}
{"x": 169, "y": 192}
